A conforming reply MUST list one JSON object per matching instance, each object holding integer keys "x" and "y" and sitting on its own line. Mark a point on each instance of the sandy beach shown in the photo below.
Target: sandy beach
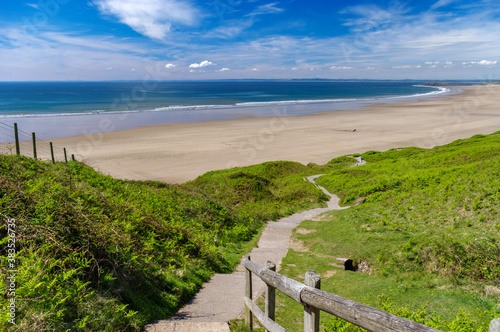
{"x": 176, "y": 153}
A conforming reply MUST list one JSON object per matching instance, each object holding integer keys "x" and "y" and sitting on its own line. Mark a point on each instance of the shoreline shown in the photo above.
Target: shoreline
{"x": 63, "y": 125}
{"x": 175, "y": 153}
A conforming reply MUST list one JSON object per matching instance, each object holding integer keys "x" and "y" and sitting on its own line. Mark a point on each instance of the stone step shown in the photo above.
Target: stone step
{"x": 187, "y": 327}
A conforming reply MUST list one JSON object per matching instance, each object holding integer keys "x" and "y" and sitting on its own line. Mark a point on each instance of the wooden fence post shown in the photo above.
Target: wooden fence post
{"x": 495, "y": 325}
{"x": 34, "y": 144}
{"x": 52, "y": 153}
{"x": 311, "y": 314}
{"x": 248, "y": 293}
{"x": 16, "y": 137}
{"x": 73, "y": 157}
{"x": 271, "y": 295}
{"x": 65, "y": 155}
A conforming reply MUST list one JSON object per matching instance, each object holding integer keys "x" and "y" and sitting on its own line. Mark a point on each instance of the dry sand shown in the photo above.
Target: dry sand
{"x": 176, "y": 153}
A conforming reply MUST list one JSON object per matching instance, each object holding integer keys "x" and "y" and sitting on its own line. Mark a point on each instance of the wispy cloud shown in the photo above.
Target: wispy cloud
{"x": 407, "y": 67}
{"x": 441, "y": 3}
{"x": 341, "y": 67}
{"x": 152, "y": 18}
{"x": 395, "y": 34}
{"x": 375, "y": 40}
{"x": 371, "y": 16}
{"x": 58, "y": 55}
{"x": 231, "y": 29}
{"x": 269, "y": 8}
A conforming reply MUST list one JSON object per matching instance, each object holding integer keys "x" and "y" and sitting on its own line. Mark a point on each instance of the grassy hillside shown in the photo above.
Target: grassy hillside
{"x": 426, "y": 239}
{"x": 99, "y": 254}
{"x": 95, "y": 253}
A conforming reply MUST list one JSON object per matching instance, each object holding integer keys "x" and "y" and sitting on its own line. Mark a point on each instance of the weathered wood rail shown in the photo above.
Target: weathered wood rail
{"x": 315, "y": 300}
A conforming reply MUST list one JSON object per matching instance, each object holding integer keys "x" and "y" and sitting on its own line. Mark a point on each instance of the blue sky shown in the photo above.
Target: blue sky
{"x": 227, "y": 39}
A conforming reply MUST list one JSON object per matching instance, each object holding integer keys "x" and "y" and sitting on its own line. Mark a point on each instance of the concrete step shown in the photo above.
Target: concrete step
{"x": 187, "y": 327}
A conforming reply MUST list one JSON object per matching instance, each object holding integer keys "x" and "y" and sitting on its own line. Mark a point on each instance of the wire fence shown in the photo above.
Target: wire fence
{"x": 30, "y": 146}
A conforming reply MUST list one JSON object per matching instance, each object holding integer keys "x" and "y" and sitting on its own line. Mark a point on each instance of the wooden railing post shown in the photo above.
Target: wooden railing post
{"x": 73, "y": 157}
{"x": 311, "y": 314}
{"x": 52, "y": 153}
{"x": 315, "y": 300}
{"x": 495, "y": 325}
{"x": 34, "y": 144}
{"x": 271, "y": 295}
{"x": 16, "y": 137}
{"x": 65, "y": 156}
{"x": 248, "y": 294}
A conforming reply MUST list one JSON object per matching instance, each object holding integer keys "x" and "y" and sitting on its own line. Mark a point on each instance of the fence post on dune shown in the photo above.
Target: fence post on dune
{"x": 33, "y": 136}
{"x": 271, "y": 295}
{"x": 73, "y": 157}
{"x": 248, "y": 294}
{"x": 311, "y": 314}
{"x": 65, "y": 155}
{"x": 16, "y": 137}
{"x": 52, "y": 152}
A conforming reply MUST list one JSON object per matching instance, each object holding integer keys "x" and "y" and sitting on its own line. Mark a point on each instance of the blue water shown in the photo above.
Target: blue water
{"x": 63, "y": 109}
{"x": 64, "y": 98}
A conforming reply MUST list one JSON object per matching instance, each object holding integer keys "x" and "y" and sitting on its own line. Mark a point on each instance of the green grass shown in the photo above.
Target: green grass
{"x": 427, "y": 237}
{"x": 96, "y": 253}
{"x": 99, "y": 254}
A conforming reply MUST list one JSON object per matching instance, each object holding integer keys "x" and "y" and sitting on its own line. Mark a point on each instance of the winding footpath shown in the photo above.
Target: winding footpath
{"x": 221, "y": 298}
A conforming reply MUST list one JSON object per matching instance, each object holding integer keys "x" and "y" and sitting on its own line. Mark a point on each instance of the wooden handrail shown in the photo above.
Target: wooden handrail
{"x": 369, "y": 318}
{"x": 364, "y": 316}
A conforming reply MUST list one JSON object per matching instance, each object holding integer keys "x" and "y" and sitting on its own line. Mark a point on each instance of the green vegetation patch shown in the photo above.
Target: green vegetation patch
{"x": 425, "y": 241}
{"x": 96, "y": 253}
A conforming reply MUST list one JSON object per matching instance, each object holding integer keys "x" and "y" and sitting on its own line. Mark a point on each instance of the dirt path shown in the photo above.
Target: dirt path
{"x": 221, "y": 299}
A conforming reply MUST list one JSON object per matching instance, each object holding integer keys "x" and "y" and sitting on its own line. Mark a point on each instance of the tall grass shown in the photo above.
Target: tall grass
{"x": 96, "y": 253}
{"x": 426, "y": 238}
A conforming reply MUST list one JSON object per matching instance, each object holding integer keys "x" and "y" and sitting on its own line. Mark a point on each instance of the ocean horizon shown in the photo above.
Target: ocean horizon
{"x": 63, "y": 109}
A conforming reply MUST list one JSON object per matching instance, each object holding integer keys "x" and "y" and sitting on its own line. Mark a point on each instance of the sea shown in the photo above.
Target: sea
{"x": 62, "y": 109}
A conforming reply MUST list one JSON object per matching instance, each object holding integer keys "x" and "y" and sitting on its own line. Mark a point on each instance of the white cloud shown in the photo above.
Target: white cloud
{"x": 170, "y": 66}
{"x": 396, "y": 34}
{"x": 487, "y": 63}
{"x": 270, "y": 8}
{"x": 407, "y": 67}
{"x": 152, "y": 18}
{"x": 201, "y": 64}
{"x": 441, "y": 3}
{"x": 373, "y": 16}
{"x": 378, "y": 39}
{"x": 225, "y": 69}
{"x": 65, "y": 56}
{"x": 341, "y": 67}
{"x": 231, "y": 29}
